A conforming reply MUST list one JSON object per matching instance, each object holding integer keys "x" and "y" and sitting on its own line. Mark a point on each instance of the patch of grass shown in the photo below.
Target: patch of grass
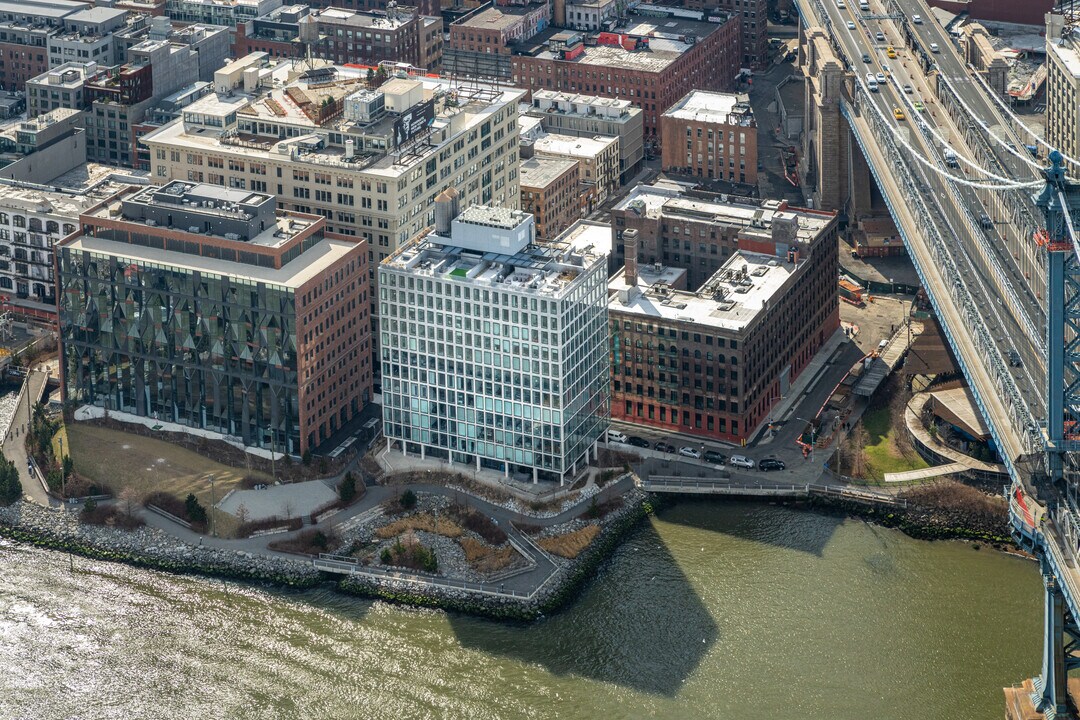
{"x": 309, "y": 542}
{"x": 146, "y": 465}
{"x": 247, "y": 529}
{"x": 480, "y": 524}
{"x": 110, "y": 516}
{"x": 484, "y": 558}
{"x": 421, "y": 521}
{"x": 571, "y": 544}
{"x": 882, "y": 454}
{"x": 553, "y": 505}
{"x": 410, "y": 553}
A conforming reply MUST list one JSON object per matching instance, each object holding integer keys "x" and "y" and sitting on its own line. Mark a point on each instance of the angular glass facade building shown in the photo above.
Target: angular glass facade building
{"x": 494, "y": 348}
{"x": 227, "y": 332}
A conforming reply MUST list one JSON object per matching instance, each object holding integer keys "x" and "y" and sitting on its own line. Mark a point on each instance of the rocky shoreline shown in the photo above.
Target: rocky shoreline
{"x": 924, "y": 523}
{"x": 151, "y": 548}
{"x": 58, "y": 529}
{"x": 564, "y": 585}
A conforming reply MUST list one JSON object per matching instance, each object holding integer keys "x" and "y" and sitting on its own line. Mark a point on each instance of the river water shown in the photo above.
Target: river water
{"x": 709, "y": 611}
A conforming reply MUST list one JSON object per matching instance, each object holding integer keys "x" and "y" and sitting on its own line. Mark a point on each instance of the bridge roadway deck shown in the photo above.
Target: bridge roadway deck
{"x": 989, "y": 262}
{"x": 854, "y": 45}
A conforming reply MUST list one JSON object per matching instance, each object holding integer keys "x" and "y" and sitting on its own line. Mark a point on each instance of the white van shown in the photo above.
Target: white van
{"x": 871, "y": 82}
{"x": 614, "y": 436}
{"x": 864, "y": 6}
{"x": 917, "y": 19}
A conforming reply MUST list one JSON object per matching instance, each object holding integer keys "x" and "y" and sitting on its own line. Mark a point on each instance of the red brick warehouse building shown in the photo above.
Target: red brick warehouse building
{"x": 712, "y": 354}
{"x": 651, "y": 60}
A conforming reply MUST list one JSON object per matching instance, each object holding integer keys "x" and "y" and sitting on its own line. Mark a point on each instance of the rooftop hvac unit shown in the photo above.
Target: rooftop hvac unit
{"x": 193, "y": 229}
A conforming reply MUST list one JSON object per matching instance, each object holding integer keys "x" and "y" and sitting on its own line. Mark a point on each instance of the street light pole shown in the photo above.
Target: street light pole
{"x": 213, "y": 502}
{"x": 63, "y": 470}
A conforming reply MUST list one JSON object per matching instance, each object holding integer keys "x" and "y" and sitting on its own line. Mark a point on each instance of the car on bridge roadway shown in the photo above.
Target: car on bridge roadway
{"x": 917, "y": 19}
{"x": 908, "y": 89}
{"x": 741, "y": 461}
{"x": 934, "y": 48}
{"x": 638, "y": 441}
{"x": 898, "y": 113}
{"x": 771, "y": 464}
{"x": 880, "y": 78}
{"x": 690, "y": 453}
{"x": 880, "y": 37}
{"x": 866, "y": 57}
{"x": 850, "y": 25}
{"x": 919, "y": 107}
{"x": 890, "y": 51}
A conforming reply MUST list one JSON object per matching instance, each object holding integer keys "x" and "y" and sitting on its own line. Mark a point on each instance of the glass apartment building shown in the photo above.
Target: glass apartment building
{"x": 201, "y": 306}
{"x": 494, "y": 347}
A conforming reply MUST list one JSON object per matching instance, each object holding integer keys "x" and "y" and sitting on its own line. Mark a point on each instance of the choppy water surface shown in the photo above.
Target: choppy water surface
{"x": 711, "y": 611}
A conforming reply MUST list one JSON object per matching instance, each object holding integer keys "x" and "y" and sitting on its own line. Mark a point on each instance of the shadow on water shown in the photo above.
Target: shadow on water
{"x": 783, "y": 526}
{"x": 639, "y": 623}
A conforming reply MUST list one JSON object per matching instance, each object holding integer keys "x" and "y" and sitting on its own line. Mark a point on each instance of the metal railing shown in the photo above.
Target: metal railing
{"x": 332, "y": 564}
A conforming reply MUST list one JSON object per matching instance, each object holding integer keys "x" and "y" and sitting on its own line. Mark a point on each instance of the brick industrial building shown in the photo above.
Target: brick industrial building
{"x": 713, "y": 358}
{"x": 753, "y": 17}
{"x": 710, "y": 135}
{"x": 651, "y": 60}
{"x": 549, "y": 190}
{"x": 201, "y": 306}
{"x": 344, "y": 36}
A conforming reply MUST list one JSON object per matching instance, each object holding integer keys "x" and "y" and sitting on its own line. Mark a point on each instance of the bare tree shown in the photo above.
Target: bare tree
{"x": 898, "y": 403}
{"x": 242, "y": 513}
{"x": 288, "y": 509}
{"x": 855, "y": 451}
{"x": 129, "y": 500}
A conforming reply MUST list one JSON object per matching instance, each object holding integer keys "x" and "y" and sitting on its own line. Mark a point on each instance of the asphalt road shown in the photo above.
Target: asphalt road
{"x": 1006, "y": 331}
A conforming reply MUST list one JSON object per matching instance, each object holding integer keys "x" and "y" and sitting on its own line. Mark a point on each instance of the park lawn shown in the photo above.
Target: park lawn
{"x": 882, "y": 455}
{"x": 121, "y": 460}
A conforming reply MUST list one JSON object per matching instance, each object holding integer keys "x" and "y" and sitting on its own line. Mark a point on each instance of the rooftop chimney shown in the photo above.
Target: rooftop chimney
{"x": 630, "y": 244}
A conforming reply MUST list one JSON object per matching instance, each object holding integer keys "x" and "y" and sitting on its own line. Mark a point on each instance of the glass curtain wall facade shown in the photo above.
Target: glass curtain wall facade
{"x": 182, "y": 346}
{"x": 495, "y": 377}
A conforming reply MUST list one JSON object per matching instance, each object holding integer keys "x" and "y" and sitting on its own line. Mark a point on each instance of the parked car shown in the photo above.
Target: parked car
{"x": 715, "y": 457}
{"x": 741, "y": 461}
{"x": 638, "y": 441}
{"x": 662, "y": 446}
{"x": 771, "y": 464}
{"x": 690, "y": 453}
{"x": 616, "y": 436}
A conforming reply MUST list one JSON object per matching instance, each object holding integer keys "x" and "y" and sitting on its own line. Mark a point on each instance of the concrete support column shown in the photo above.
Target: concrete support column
{"x": 389, "y": 442}
{"x": 536, "y": 476}
{"x": 506, "y": 468}
{"x": 1054, "y": 674}
{"x": 477, "y": 463}
{"x": 595, "y": 450}
{"x": 421, "y": 451}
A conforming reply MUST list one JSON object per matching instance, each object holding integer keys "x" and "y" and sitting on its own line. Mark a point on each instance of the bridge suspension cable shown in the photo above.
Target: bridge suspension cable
{"x": 916, "y": 154}
{"x": 1003, "y": 143}
{"x": 1012, "y": 116}
{"x": 945, "y": 143}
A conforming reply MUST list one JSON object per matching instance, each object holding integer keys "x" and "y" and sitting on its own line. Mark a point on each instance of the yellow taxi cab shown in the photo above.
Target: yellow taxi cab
{"x": 898, "y": 113}
{"x": 890, "y": 52}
